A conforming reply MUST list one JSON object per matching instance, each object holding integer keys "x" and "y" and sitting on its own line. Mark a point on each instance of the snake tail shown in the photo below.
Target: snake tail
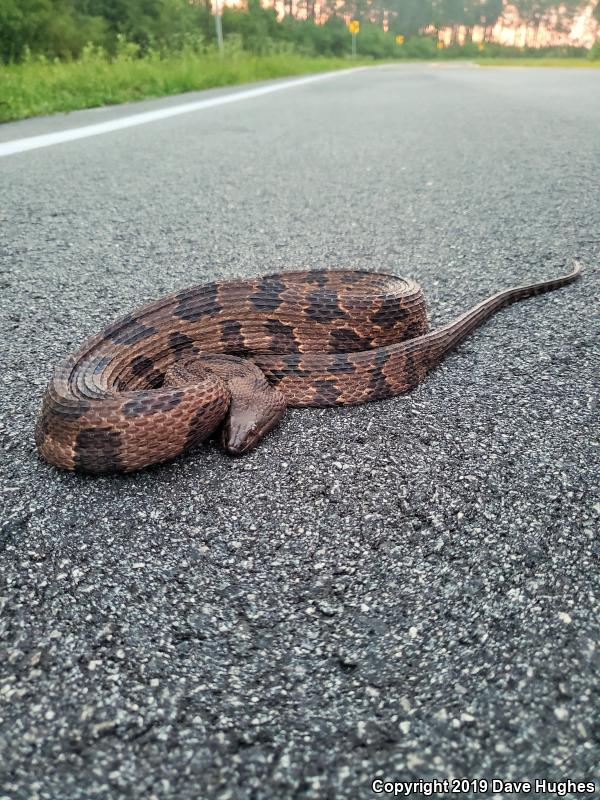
{"x": 438, "y": 343}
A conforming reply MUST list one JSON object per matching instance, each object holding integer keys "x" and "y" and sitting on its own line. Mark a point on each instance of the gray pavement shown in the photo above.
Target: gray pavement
{"x": 402, "y": 590}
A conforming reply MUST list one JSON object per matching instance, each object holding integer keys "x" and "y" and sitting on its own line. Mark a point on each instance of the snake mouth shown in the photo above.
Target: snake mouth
{"x": 235, "y": 450}
{"x": 237, "y": 439}
{"x": 242, "y": 431}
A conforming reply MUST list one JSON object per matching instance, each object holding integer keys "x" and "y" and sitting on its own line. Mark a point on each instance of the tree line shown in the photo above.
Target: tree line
{"x": 413, "y": 16}
{"x": 64, "y": 28}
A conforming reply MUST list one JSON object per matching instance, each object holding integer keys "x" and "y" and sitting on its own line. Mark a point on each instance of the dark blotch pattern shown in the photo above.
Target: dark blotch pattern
{"x": 390, "y": 313}
{"x": 193, "y": 307}
{"x": 413, "y": 370}
{"x": 147, "y": 404}
{"x": 155, "y": 379}
{"x": 346, "y": 340}
{"x": 267, "y": 296}
{"x": 341, "y": 364}
{"x": 140, "y": 365}
{"x": 293, "y": 365}
{"x": 102, "y": 364}
{"x": 199, "y": 429}
{"x": 116, "y": 328}
{"x": 283, "y": 339}
{"x": 349, "y": 279}
{"x": 377, "y": 379}
{"x": 69, "y": 412}
{"x": 128, "y": 331}
{"x": 417, "y": 327}
{"x": 317, "y": 278}
{"x": 327, "y": 393}
{"x": 290, "y": 365}
{"x": 97, "y": 450}
{"x": 232, "y": 338}
{"x": 323, "y": 306}
{"x": 181, "y": 345}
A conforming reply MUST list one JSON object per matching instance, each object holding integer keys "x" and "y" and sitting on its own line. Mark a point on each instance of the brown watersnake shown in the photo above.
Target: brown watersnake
{"x": 235, "y": 353}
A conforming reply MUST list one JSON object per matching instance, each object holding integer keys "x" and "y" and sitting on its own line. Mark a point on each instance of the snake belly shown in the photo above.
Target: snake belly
{"x": 321, "y": 337}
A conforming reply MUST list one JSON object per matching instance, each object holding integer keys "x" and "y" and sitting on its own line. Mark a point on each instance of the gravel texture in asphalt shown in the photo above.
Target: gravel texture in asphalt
{"x": 408, "y": 589}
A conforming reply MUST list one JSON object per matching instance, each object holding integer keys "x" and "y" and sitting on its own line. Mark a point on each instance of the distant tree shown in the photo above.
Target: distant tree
{"x": 448, "y": 14}
{"x": 533, "y": 12}
{"x": 489, "y": 14}
{"x": 167, "y": 23}
{"x": 556, "y": 14}
{"x": 47, "y": 27}
{"x": 567, "y": 11}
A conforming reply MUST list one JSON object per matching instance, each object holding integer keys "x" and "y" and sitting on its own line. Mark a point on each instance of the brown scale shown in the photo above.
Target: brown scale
{"x": 233, "y": 354}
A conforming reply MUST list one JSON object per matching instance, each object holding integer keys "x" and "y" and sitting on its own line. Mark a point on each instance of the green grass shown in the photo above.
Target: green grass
{"x": 39, "y": 87}
{"x": 537, "y": 62}
{"x": 42, "y": 87}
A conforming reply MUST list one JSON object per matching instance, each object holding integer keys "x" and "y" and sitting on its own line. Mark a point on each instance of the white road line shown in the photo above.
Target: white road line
{"x": 48, "y": 139}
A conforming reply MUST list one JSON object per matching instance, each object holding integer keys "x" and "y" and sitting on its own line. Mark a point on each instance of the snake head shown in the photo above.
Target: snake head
{"x": 251, "y": 416}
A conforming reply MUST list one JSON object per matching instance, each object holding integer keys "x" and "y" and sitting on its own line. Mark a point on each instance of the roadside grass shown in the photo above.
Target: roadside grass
{"x": 39, "y": 86}
{"x": 538, "y": 62}
{"x": 45, "y": 87}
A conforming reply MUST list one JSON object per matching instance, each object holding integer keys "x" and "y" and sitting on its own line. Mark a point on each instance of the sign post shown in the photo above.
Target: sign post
{"x": 399, "y": 39}
{"x": 219, "y": 27}
{"x": 354, "y": 28}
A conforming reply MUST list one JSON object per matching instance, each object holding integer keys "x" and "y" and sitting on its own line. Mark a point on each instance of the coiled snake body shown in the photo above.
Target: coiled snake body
{"x": 161, "y": 379}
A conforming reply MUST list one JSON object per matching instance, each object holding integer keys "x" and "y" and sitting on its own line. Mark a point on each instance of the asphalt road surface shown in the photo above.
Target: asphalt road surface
{"x": 403, "y": 590}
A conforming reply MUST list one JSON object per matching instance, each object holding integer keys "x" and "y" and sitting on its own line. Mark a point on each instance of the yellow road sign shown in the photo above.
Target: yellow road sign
{"x": 399, "y": 39}
{"x": 354, "y": 26}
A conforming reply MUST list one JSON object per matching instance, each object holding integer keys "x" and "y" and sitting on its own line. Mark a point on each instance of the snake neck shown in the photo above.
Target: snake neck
{"x": 255, "y": 407}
